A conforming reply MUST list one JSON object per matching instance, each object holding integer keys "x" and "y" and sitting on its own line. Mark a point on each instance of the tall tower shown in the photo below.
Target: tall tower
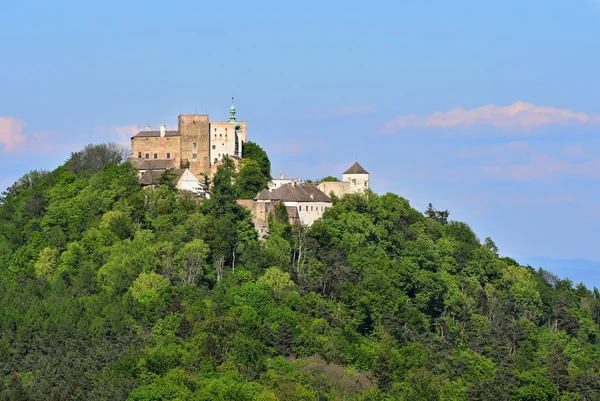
{"x": 358, "y": 178}
{"x": 195, "y": 143}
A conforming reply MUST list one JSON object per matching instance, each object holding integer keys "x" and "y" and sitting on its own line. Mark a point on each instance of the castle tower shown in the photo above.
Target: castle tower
{"x": 195, "y": 142}
{"x": 357, "y": 177}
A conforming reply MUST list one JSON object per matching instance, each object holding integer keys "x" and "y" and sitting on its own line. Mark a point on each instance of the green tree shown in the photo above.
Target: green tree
{"x": 190, "y": 261}
{"x": 250, "y": 180}
{"x": 278, "y": 281}
{"x": 146, "y": 287}
{"x": 46, "y": 262}
{"x": 253, "y": 151}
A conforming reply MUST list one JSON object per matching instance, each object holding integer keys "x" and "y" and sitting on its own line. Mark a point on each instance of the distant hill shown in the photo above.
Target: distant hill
{"x": 576, "y": 270}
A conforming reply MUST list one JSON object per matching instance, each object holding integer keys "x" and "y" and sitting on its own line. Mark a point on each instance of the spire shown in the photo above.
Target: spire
{"x": 232, "y": 115}
{"x": 232, "y": 112}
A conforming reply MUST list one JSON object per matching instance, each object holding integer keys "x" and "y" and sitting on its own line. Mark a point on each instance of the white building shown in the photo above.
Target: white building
{"x": 183, "y": 179}
{"x": 354, "y": 180}
{"x": 227, "y": 138}
{"x": 277, "y": 182}
{"x": 309, "y": 202}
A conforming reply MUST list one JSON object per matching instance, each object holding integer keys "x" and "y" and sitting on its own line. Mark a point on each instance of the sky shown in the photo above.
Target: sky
{"x": 487, "y": 109}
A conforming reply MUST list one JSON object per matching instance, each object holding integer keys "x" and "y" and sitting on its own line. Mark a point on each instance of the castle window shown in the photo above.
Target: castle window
{"x": 220, "y": 135}
{"x": 194, "y": 145}
{"x": 311, "y": 208}
{"x": 168, "y": 155}
{"x": 225, "y": 131}
{"x": 194, "y": 155}
{"x": 156, "y": 155}
{"x": 214, "y": 147}
{"x": 147, "y": 155}
{"x": 139, "y": 155}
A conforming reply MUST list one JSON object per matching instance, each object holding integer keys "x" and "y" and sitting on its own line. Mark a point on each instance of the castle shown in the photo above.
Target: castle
{"x": 198, "y": 144}
{"x": 304, "y": 202}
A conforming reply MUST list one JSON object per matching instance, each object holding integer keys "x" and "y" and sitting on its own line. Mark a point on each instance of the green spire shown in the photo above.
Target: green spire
{"x": 232, "y": 112}
{"x": 232, "y": 115}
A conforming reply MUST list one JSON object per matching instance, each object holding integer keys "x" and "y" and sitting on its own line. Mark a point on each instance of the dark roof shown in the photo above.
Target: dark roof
{"x": 356, "y": 169}
{"x": 263, "y": 195}
{"x": 151, "y": 164}
{"x": 143, "y": 134}
{"x": 150, "y": 177}
{"x": 295, "y": 193}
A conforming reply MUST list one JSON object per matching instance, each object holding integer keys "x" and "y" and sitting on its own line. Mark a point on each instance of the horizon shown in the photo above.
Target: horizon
{"x": 487, "y": 110}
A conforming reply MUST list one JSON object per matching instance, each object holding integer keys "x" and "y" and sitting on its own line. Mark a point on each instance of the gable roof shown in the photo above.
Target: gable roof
{"x": 143, "y": 134}
{"x": 295, "y": 193}
{"x": 263, "y": 195}
{"x": 151, "y": 164}
{"x": 150, "y": 177}
{"x": 356, "y": 169}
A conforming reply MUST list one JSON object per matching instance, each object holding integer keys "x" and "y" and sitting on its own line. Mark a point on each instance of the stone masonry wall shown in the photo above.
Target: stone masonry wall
{"x": 194, "y": 129}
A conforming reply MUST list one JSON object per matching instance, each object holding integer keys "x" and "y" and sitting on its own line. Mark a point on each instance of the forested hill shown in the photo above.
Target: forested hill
{"x": 111, "y": 292}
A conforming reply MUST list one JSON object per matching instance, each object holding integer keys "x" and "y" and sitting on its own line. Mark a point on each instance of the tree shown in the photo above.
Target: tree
{"x": 190, "y": 261}
{"x": 146, "y": 287}
{"x": 278, "y": 281}
{"x": 94, "y": 157}
{"x": 46, "y": 262}
{"x": 329, "y": 178}
{"x": 252, "y": 151}
{"x": 441, "y": 216}
{"x": 250, "y": 180}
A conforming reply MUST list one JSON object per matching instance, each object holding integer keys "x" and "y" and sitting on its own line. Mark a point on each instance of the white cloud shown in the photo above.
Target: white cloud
{"x": 517, "y": 115}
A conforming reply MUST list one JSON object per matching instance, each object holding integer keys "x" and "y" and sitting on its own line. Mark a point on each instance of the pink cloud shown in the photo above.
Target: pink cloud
{"x": 517, "y": 115}
{"x": 125, "y": 132}
{"x": 11, "y": 133}
{"x": 575, "y": 151}
{"x": 542, "y": 167}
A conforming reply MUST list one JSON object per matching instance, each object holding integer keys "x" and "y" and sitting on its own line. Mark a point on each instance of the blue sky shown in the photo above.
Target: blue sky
{"x": 488, "y": 109}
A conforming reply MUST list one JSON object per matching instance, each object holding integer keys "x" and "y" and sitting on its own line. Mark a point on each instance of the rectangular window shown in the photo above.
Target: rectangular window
{"x": 311, "y": 208}
{"x": 156, "y": 155}
{"x": 299, "y": 208}
{"x": 194, "y": 145}
{"x": 214, "y": 146}
{"x": 194, "y": 155}
{"x": 139, "y": 155}
{"x": 147, "y": 155}
{"x": 216, "y": 160}
{"x": 168, "y": 155}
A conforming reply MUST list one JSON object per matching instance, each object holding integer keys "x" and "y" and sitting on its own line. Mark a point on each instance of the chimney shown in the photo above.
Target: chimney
{"x": 148, "y": 128}
{"x": 163, "y": 129}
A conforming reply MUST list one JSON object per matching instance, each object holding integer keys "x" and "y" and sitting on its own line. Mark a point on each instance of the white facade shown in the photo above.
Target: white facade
{"x": 309, "y": 212}
{"x": 224, "y": 141}
{"x": 277, "y": 182}
{"x": 189, "y": 182}
{"x": 358, "y": 182}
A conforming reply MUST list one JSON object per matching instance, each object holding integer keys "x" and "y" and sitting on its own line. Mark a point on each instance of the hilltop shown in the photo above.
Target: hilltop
{"x": 111, "y": 291}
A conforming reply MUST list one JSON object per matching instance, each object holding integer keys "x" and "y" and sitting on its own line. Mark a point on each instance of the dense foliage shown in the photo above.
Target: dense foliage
{"x": 108, "y": 291}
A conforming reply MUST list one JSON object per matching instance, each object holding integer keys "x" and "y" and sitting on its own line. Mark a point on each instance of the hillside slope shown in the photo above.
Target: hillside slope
{"x": 112, "y": 292}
